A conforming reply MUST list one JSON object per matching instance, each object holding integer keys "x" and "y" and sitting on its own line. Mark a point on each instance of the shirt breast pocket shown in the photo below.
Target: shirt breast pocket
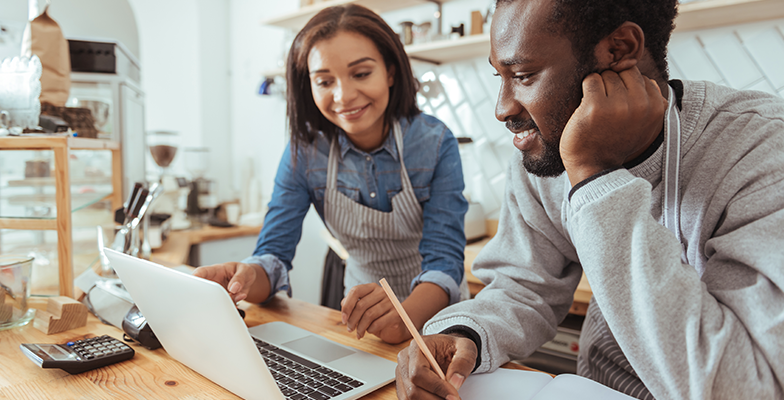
{"x": 422, "y": 194}
{"x": 351, "y": 193}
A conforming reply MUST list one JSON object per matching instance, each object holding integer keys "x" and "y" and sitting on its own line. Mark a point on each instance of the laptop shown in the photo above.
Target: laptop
{"x": 198, "y": 325}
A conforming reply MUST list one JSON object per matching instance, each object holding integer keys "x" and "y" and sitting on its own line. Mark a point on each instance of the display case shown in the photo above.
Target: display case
{"x": 54, "y": 191}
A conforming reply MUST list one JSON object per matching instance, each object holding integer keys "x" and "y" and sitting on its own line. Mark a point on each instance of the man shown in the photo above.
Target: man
{"x": 673, "y": 209}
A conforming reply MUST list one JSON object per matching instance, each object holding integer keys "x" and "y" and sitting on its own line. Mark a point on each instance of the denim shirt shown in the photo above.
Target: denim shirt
{"x": 372, "y": 179}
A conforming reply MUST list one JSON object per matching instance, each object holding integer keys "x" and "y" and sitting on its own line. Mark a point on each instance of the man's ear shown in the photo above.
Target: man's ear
{"x": 622, "y": 49}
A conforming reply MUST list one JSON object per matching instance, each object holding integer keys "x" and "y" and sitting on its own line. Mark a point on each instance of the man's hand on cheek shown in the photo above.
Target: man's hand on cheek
{"x": 619, "y": 116}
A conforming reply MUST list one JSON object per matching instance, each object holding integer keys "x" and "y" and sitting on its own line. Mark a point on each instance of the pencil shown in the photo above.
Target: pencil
{"x": 411, "y": 327}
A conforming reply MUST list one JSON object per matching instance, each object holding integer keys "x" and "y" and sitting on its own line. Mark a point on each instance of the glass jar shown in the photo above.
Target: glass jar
{"x": 15, "y": 275}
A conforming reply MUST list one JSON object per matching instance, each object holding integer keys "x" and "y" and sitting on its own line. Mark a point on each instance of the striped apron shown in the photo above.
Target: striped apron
{"x": 380, "y": 244}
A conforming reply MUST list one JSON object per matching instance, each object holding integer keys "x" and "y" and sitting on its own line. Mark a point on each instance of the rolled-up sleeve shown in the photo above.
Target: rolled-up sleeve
{"x": 277, "y": 272}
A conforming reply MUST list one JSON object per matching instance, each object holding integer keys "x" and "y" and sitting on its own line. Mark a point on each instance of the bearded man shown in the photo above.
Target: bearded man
{"x": 666, "y": 194}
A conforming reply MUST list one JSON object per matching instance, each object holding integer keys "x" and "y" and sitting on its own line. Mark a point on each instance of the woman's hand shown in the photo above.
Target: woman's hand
{"x": 242, "y": 281}
{"x": 367, "y": 308}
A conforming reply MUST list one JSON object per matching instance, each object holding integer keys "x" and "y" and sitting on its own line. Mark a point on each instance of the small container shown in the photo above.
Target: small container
{"x": 15, "y": 275}
{"x": 407, "y": 36}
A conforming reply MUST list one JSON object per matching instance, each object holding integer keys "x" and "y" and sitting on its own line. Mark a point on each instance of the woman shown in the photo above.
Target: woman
{"x": 385, "y": 179}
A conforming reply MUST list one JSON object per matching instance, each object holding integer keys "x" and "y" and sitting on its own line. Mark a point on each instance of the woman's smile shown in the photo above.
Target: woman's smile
{"x": 352, "y": 113}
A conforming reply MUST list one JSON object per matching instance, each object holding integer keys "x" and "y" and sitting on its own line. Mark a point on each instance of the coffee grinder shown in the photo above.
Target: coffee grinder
{"x": 163, "y": 148}
{"x": 202, "y": 199}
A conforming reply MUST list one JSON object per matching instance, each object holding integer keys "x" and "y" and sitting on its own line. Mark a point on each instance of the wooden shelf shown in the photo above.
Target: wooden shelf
{"x": 39, "y": 142}
{"x": 697, "y": 15}
{"x": 51, "y": 181}
{"x": 714, "y": 13}
{"x": 78, "y": 200}
{"x": 296, "y": 20}
{"x": 691, "y": 16}
{"x": 445, "y": 51}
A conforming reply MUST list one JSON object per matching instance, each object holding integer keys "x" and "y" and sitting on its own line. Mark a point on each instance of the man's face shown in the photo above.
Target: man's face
{"x": 541, "y": 81}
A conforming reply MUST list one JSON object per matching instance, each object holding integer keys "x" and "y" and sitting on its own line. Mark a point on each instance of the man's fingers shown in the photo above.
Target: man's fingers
{"x": 404, "y": 386}
{"x": 614, "y": 85}
{"x": 463, "y": 362}
{"x": 593, "y": 86}
{"x": 423, "y": 376}
{"x": 635, "y": 83}
{"x": 624, "y": 64}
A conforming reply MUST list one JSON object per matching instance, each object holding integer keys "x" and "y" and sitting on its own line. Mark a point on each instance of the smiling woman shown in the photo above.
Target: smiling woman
{"x": 327, "y": 41}
{"x": 385, "y": 179}
{"x": 350, "y": 84}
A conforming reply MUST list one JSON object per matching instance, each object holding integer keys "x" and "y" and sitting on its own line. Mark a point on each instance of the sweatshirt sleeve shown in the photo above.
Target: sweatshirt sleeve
{"x": 689, "y": 333}
{"x": 530, "y": 271}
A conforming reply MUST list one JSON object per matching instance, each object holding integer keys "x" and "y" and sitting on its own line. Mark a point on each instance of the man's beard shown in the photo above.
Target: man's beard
{"x": 549, "y": 163}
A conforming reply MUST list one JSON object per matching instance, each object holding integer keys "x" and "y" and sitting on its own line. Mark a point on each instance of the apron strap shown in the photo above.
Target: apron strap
{"x": 404, "y": 180}
{"x": 332, "y": 164}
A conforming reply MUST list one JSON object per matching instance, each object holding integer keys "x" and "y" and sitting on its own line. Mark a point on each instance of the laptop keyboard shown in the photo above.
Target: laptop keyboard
{"x": 301, "y": 379}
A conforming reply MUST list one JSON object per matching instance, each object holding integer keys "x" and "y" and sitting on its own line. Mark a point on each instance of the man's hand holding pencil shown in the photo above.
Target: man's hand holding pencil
{"x": 426, "y": 359}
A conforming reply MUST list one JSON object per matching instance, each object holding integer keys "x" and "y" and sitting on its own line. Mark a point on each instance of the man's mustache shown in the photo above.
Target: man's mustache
{"x": 519, "y": 125}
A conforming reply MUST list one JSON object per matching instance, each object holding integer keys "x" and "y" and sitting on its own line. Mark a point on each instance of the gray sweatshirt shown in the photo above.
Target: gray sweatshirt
{"x": 709, "y": 328}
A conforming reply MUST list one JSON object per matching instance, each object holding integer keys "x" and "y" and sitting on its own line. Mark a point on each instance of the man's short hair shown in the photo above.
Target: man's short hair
{"x": 586, "y": 22}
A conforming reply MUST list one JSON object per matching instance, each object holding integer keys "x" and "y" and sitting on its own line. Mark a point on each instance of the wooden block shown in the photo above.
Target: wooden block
{"x": 62, "y": 313}
{"x": 477, "y": 22}
{"x": 6, "y": 310}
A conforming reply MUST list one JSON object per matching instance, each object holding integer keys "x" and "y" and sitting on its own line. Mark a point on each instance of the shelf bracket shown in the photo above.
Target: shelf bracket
{"x": 421, "y": 59}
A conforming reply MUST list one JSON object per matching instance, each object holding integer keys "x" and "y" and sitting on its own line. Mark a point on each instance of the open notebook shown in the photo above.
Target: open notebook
{"x": 529, "y": 385}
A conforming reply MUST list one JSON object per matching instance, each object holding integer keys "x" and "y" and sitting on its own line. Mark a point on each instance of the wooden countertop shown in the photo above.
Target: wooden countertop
{"x": 152, "y": 374}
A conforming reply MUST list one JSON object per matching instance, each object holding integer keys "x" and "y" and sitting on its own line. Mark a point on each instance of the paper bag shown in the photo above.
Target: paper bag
{"x": 51, "y": 47}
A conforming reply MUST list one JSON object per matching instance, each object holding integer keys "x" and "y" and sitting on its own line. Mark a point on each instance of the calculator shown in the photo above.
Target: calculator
{"x": 78, "y": 356}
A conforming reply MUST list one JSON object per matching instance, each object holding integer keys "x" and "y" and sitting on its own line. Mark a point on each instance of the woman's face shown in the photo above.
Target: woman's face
{"x": 350, "y": 85}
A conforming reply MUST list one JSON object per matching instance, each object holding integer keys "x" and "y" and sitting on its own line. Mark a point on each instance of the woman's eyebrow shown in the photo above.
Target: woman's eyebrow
{"x": 361, "y": 60}
{"x": 351, "y": 64}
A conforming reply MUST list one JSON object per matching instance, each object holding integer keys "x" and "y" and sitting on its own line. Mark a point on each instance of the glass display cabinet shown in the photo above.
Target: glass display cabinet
{"x": 54, "y": 191}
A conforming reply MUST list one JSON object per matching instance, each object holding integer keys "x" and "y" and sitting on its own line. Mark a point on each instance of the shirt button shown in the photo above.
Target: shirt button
{"x": 372, "y": 195}
{"x": 367, "y": 158}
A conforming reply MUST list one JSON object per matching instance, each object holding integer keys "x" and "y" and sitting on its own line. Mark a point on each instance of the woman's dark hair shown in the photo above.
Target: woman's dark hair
{"x": 587, "y": 22}
{"x": 305, "y": 119}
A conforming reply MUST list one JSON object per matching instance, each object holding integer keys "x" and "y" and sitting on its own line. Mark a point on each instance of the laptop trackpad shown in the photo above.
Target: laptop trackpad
{"x": 318, "y": 348}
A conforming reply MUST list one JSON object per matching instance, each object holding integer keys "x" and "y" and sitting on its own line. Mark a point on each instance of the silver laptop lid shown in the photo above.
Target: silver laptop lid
{"x": 190, "y": 318}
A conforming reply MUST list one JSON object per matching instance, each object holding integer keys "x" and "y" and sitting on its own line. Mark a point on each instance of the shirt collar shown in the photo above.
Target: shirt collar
{"x": 389, "y": 145}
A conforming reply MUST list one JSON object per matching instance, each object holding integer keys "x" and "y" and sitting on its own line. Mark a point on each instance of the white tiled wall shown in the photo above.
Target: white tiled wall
{"x": 747, "y": 56}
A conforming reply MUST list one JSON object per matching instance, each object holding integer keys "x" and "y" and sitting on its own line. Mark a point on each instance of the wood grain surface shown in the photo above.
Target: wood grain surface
{"x": 153, "y": 374}
{"x": 61, "y": 314}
